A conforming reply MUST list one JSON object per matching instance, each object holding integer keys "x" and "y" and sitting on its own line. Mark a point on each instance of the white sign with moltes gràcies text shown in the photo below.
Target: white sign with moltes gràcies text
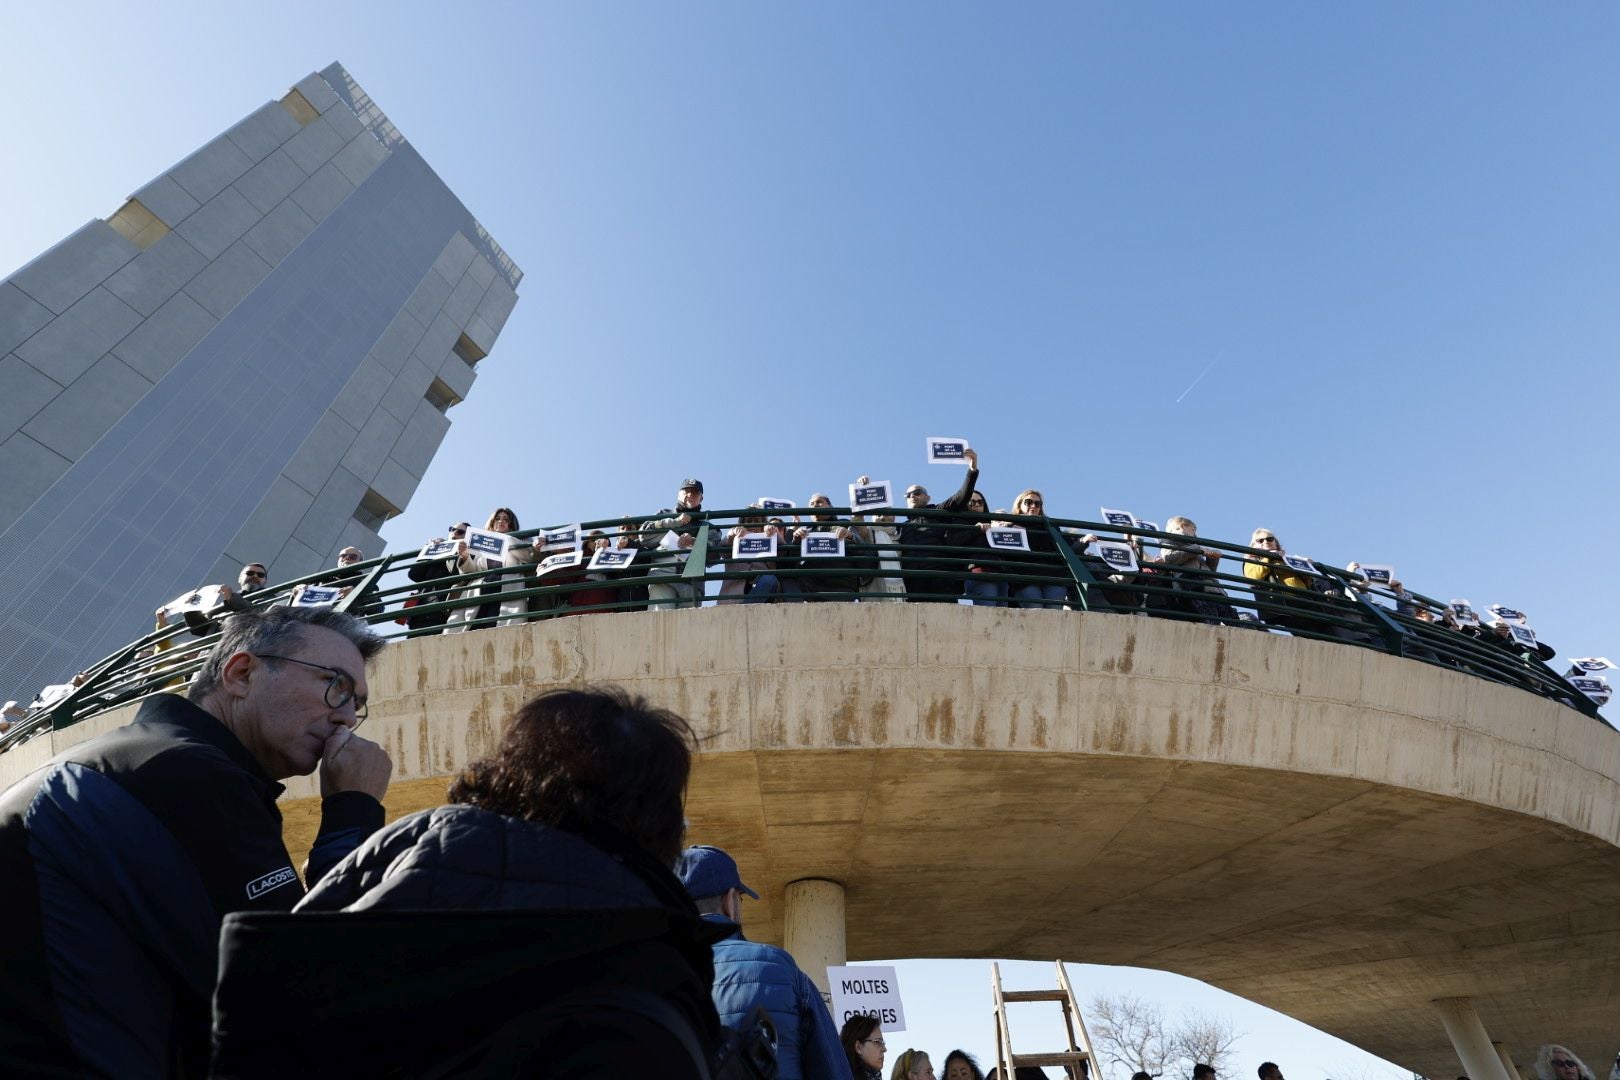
{"x": 866, "y": 991}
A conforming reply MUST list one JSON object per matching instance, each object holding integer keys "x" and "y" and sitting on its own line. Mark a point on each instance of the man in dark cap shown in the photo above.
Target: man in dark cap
{"x": 747, "y": 973}
{"x": 684, "y": 521}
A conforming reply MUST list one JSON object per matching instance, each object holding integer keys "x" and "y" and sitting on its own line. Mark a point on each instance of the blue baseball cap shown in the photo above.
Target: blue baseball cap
{"x": 707, "y": 871}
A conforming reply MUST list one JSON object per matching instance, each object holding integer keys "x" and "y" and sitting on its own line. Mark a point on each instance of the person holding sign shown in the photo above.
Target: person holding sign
{"x": 919, "y": 533}
{"x": 764, "y": 585}
{"x": 437, "y": 563}
{"x": 973, "y": 533}
{"x": 1279, "y": 584}
{"x": 675, "y": 531}
{"x": 1029, "y": 510}
{"x": 1188, "y": 568}
{"x": 848, "y": 577}
{"x": 505, "y": 573}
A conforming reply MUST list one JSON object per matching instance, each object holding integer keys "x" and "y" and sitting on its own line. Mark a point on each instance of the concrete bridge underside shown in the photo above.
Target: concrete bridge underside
{"x": 1340, "y": 835}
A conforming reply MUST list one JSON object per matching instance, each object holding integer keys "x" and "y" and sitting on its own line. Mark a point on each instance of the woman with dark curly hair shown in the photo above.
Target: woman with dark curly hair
{"x": 959, "y": 1065}
{"x": 578, "y": 814}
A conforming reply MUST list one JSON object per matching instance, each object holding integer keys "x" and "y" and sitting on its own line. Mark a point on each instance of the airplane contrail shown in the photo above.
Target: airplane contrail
{"x": 1207, "y": 368}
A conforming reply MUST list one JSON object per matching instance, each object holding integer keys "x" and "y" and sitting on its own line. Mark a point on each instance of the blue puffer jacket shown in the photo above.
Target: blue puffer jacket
{"x": 747, "y": 973}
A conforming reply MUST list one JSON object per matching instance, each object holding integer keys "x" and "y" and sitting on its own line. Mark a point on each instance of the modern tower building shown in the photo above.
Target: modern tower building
{"x": 251, "y": 360}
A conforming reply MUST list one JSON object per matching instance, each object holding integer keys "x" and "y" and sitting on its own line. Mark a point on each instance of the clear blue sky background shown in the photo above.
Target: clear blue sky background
{"x": 774, "y": 246}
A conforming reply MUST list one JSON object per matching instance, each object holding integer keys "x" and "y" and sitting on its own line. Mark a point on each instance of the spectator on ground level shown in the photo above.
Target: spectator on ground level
{"x": 1203, "y": 1072}
{"x": 684, "y": 520}
{"x": 579, "y": 810}
{"x": 919, "y": 533}
{"x": 912, "y": 1065}
{"x": 1555, "y": 1062}
{"x": 122, "y": 853}
{"x": 749, "y": 974}
{"x": 1268, "y": 1071}
{"x": 501, "y": 578}
{"x": 430, "y": 575}
{"x": 959, "y": 1065}
{"x": 864, "y": 1047}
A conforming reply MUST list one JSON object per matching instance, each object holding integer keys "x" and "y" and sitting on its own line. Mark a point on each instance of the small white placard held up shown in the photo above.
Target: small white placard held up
{"x": 562, "y": 538}
{"x": 1119, "y": 519}
{"x": 1464, "y": 613}
{"x": 491, "y": 545}
{"x": 438, "y": 549}
{"x": 1507, "y": 614}
{"x": 1590, "y": 663}
{"x": 943, "y": 451}
{"x": 1007, "y": 538}
{"x": 1119, "y": 557}
{"x": 1523, "y": 635}
{"x": 1595, "y": 687}
{"x": 821, "y": 545}
{"x": 1301, "y": 563}
{"x": 612, "y": 558}
{"x": 874, "y": 496}
{"x": 560, "y": 561}
{"x": 754, "y": 546}
{"x": 774, "y": 504}
{"x": 866, "y": 991}
{"x": 203, "y": 599}
{"x": 1378, "y": 574}
{"x": 317, "y": 596}
{"x": 670, "y": 542}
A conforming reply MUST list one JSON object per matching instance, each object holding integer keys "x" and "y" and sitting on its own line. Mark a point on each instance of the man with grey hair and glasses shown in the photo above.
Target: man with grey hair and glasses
{"x": 122, "y": 855}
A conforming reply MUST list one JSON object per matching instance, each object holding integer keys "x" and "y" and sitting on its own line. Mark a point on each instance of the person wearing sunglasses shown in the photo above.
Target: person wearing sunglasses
{"x": 1554, "y": 1062}
{"x": 1029, "y": 506}
{"x": 428, "y": 573}
{"x": 123, "y": 854}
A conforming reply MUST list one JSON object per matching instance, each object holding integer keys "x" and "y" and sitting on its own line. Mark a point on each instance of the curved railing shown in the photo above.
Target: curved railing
{"x": 872, "y": 568}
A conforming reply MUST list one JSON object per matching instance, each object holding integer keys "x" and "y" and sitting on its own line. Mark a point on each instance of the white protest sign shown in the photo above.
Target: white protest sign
{"x": 491, "y": 545}
{"x": 1119, "y": 519}
{"x": 317, "y": 596}
{"x": 1301, "y": 563}
{"x": 821, "y": 545}
{"x": 774, "y": 504}
{"x": 562, "y": 538}
{"x": 943, "y": 451}
{"x": 560, "y": 561}
{"x": 203, "y": 599}
{"x": 1150, "y": 526}
{"x": 438, "y": 549}
{"x": 1523, "y": 635}
{"x": 1463, "y": 612}
{"x": 874, "y": 496}
{"x": 670, "y": 542}
{"x": 1377, "y": 573}
{"x": 866, "y": 991}
{"x": 1119, "y": 557}
{"x": 754, "y": 546}
{"x": 1007, "y": 538}
{"x": 612, "y": 558}
{"x": 1595, "y": 687}
{"x": 1590, "y": 663}
{"x": 1507, "y": 614}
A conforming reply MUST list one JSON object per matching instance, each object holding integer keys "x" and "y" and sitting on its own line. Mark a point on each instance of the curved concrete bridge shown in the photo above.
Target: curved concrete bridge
{"x": 1418, "y": 861}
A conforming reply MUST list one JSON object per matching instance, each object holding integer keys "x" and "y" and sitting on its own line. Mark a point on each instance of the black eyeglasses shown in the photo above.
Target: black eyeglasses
{"x": 1033, "y": 502}
{"x": 253, "y": 573}
{"x": 339, "y": 688}
{"x": 1266, "y": 540}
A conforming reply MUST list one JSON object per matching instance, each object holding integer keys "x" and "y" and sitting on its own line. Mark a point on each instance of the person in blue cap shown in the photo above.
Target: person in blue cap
{"x": 748, "y": 973}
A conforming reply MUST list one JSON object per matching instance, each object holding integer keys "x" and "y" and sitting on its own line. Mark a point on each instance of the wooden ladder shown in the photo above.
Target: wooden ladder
{"x": 1076, "y": 1060}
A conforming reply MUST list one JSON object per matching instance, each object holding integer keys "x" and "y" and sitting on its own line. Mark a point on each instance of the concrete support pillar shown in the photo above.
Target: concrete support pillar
{"x": 813, "y": 927}
{"x": 1474, "y": 1050}
{"x": 1507, "y": 1060}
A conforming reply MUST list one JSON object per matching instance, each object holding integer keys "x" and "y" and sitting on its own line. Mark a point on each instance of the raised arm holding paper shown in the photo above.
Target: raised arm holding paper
{"x": 919, "y": 532}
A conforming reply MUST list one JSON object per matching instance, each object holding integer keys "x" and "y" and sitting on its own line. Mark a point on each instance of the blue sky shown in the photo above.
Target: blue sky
{"x": 773, "y": 246}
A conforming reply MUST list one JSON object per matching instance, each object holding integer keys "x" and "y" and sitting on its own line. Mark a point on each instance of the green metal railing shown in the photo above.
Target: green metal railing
{"x": 398, "y": 605}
